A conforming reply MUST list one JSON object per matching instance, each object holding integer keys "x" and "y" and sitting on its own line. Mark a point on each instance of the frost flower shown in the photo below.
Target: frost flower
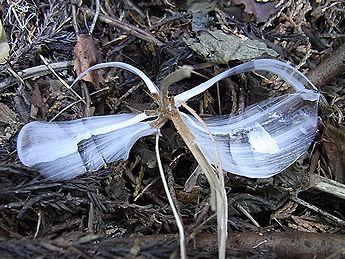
{"x": 261, "y": 141}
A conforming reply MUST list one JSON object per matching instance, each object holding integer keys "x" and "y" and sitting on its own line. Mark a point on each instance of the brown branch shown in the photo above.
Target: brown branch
{"x": 289, "y": 244}
{"x": 329, "y": 68}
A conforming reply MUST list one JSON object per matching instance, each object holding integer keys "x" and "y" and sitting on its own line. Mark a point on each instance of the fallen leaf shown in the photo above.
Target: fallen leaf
{"x": 218, "y": 47}
{"x": 334, "y": 150}
{"x": 4, "y": 47}
{"x": 262, "y": 10}
{"x": 86, "y": 54}
{"x": 8, "y": 123}
{"x": 199, "y": 9}
{"x": 7, "y": 116}
{"x": 38, "y": 102}
{"x": 198, "y": 6}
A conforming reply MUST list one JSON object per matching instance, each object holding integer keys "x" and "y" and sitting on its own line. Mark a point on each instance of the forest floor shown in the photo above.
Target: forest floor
{"x": 122, "y": 210}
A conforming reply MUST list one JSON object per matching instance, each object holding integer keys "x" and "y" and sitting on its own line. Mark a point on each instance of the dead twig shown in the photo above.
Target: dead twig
{"x": 37, "y": 71}
{"x": 329, "y": 68}
{"x": 247, "y": 214}
{"x": 137, "y": 32}
{"x": 177, "y": 216}
{"x": 335, "y": 219}
{"x": 289, "y": 244}
{"x": 60, "y": 79}
{"x": 95, "y": 17}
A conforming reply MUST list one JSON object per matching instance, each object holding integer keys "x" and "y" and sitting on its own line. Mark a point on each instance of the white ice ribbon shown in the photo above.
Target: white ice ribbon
{"x": 263, "y": 140}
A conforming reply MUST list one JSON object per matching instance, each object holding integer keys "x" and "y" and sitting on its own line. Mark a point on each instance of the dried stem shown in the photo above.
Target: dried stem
{"x": 37, "y": 71}
{"x": 95, "y": 17}
{"x": 171, "y": 203}
{"x": 217, "y": 185}
{"x": 141, "y": 34}
{"x": 335, "y": 219}
{"x": 86, "y": 95}
{"x": 218, "y": 194}
{"x": 176, "y": 76}
{"x": 74, "y": 19}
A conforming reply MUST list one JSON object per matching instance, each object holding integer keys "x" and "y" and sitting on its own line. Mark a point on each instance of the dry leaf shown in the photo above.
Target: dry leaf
{"x": 6, "y": 114}
{"x": 4, "y": 47}
{"x": 8, "y": 123}
{"x": 261, "y": 10}
{"x": 86, "y": 54}
{"x": 218, "y": 47}
{"x": 334, "y": 150}
{"x": 38, "y": 102}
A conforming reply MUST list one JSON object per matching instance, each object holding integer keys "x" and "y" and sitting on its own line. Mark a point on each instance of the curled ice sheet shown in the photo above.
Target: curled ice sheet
{"x": 63, "y": 150}
{"x": 263, "y": 140}
{"x": 268, "y": 136}
{"x": 286, "y": 72}
{"x": 150, "y": 85}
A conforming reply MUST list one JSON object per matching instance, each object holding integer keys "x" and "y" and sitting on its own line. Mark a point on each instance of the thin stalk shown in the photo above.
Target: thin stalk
{"x": 216, "y": 181}
{"x": 215, "y": 178}
{"x": 221, "y": 198}
{"x": 95, "y": 18}
{"x": 179, "y": 222}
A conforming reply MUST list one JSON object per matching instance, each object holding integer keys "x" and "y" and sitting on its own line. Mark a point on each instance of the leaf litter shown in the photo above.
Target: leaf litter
{"x": 4, "y": 47}
{"x": 100, "y": 203}
{"x": 219, "y": 47}
{"x": 261, "y": 10}
{"x": 86, "y": 54}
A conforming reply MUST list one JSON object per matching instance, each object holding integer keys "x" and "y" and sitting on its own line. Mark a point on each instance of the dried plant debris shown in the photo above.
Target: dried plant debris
{"x": 198, "y": 6}
{"x": 38, "y": 104}
{"x": 95, "y": 214}
{"x": 9, "y": 123}
{"x": 269, "y": 194}
{"x": 29, "y": 34}
{"x": 285, "y": 212}
{"x": 200, "y": 12}
{"x": 262, "y": 10}
{"x": 334, "y": 150}
{"x": 219, "y": 47}
{"x": 4, "y": 47}
{"x": 308, "y": 224}
{"x": 86, "y": 54}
